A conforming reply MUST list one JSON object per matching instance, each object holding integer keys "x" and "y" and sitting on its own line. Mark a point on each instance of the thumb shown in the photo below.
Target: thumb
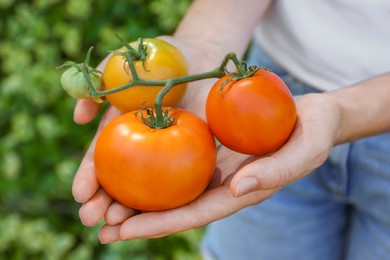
{"x": 85, "y": 111}
{"x": 264, "y": 173}
{"x": 287, "y": 165}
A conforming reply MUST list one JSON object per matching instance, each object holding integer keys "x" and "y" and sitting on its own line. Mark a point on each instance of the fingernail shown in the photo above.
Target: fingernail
{"x": 245, "y": 186}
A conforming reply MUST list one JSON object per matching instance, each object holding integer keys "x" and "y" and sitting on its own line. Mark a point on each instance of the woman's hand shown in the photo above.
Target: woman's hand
{"x": 239, "y": 180}
{"x": 86, "y": 188}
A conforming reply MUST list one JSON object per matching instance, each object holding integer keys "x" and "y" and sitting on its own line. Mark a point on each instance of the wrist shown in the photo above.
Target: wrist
{"x": 364, "y": 108}
{"x": 342, "y": 114}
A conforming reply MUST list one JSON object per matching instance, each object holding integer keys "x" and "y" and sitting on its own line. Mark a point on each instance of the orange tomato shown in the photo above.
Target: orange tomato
{"x": 254, "y": 115}
{"x": 163, "y": 61}
{"x": 155, "y": 169}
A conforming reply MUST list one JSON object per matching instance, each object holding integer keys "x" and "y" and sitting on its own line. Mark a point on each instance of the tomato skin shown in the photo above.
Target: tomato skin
{"x": 254, "y": 115}
{"x": 163, "y": 61}
{"x": 155, "y": 169}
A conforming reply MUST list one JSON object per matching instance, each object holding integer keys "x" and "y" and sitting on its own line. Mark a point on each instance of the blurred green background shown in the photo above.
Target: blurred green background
{"x": 40, "y": 146}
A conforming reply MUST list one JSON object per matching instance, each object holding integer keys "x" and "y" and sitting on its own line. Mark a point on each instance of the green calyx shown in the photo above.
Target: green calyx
{"x": 132, "y": 54}
{"x": 81, "y": 66}
{"x": 151, "y": 119}
{"x": 242, "y": 70}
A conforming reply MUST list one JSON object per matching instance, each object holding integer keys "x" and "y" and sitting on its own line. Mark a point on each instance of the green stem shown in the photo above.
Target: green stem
{"x": 217, "y": 73}
{"x": 88, "y": 57}
{"x": 129, "y": 49}
{"x": 84, "y": 69}
{"x": 130, "y": 61}
{"x": 158, "y": 102}
{"x": 241, "y": 70}
{"x": 161, "y": 120}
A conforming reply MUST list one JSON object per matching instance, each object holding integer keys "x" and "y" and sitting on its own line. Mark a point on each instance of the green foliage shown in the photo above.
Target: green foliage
{"x": 40, "y": 146}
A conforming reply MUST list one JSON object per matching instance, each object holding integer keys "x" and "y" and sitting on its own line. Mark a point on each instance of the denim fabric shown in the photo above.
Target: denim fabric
{"x": 340, "y": 211}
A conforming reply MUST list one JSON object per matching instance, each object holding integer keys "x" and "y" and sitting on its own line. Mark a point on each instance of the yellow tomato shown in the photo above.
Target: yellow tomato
{"x": 163, "y": 61}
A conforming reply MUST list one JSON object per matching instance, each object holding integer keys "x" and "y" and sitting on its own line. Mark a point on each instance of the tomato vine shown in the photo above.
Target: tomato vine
{"x": 159, "y": 119}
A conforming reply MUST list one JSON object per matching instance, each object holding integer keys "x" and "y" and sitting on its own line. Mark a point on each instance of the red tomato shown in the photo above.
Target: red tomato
{"x": 155, "y": 169}
{"x": 254, "y": 115}
{"x": 163, "y": 61}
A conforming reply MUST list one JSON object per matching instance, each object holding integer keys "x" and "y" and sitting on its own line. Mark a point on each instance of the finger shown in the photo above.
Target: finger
{"x": 85, "y": 111}
{"x": 228, "y": 162}
{"x": 94, "y": 209}
{"x": 117, "y": 214}
{"x": 85, "y": 183}
{"x": 297, "y": 158}
{"x": 270, "y": 172}
{"x": 103, "y": 63}
{"x": 211, "y": 206}
{"x": 265, "y": 173}
{"x": 109, "y": 234}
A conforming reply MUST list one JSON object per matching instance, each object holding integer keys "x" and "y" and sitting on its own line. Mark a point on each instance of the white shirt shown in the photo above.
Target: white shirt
{"x": 328, "y": 43}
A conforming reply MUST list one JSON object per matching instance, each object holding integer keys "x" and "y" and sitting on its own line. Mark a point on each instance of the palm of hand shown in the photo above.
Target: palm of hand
{"x": 307, "y": 148}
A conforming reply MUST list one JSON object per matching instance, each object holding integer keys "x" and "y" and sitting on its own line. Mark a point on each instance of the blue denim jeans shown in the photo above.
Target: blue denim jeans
{"x": 340, "y": 211}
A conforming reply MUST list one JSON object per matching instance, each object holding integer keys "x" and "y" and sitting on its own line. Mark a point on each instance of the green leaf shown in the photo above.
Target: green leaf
{"x": 11, "y": 166}
{"x": 40, "y": 145}
{"x": 9, "y": 228}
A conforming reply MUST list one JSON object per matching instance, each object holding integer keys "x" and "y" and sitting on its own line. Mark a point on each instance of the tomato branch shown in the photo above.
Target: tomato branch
{"x": 132, "y": 55}
{"x": 216, "y": 73}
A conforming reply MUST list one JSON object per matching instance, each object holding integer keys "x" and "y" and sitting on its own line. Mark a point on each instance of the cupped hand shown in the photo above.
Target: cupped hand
{"x": 86, "y": 189}
{"x": 239, "y": 180}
